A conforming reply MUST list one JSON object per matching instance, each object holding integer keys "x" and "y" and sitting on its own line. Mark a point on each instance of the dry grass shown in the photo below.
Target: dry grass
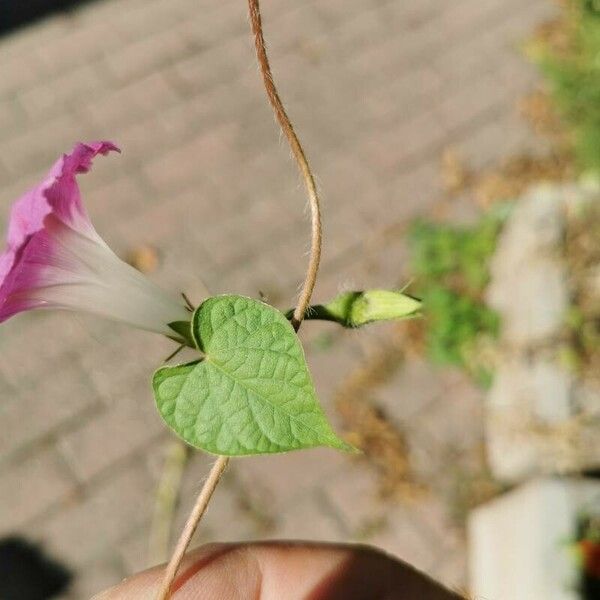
{"x": 506, "y": 181}
{"x": 541, "y": 115}
{"x": 384, "y": 446}
{"x": 582, "y": 251}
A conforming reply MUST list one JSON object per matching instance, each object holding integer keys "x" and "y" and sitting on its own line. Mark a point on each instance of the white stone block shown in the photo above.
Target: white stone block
{"x": 518, "y": 543}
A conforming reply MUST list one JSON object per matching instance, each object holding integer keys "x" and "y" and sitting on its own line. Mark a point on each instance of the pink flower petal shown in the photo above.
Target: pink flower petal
{"x": 55, "y": 258}
{"x": 58, "y": 194}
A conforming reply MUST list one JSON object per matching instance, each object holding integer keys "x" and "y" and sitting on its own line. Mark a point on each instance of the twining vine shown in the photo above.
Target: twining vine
{"x": 302, "y": 306}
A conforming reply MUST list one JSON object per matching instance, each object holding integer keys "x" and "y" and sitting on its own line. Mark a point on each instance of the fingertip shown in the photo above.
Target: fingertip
{"x": 145, "y": 585}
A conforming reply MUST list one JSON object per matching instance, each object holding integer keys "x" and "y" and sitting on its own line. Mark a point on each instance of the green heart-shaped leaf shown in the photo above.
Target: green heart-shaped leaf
{"x": 252, "y": 392}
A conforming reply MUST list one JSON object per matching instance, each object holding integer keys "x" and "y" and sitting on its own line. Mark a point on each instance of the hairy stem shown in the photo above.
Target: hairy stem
{"x": 298, "y": 152}
{"x": 305, "y": 294}
{"x": 191, "y": 524}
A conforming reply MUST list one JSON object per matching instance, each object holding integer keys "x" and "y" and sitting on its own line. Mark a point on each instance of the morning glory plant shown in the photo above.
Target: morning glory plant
{"x": 249, "y": 390}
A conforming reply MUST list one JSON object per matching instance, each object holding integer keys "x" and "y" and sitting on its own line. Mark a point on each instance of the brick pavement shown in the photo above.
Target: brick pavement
{"x": 377, "y": 88}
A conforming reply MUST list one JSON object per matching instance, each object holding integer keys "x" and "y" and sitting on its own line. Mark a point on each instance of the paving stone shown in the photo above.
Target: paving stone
{"x": 377, "y": 88}
{"x": 91, "y": 527}
{"x": 38, "y": 147}
{"x": 103, "y": 363}
{"x": 31, "y": 414}
{"x": 19, "y": 72}
{"x": 505, "y": 135}
{"x": 30, "y": 487}
{"x": 124, "y": 196}
{"x": 437, "y": 525}
{"x": 292, "y": 28}
{"x": 70, "y": 89}
{"x": 410, "y": 392}
{"x": 75, "y": 46}
{"x": 180, "y": 168}
{"x": 141, "y": 19}
{"x": 130, "y": 424}
{"x": 310, "y": 517}
{"x": 148, "y": 54}
{"x": 445, "y": 420}
{"x": 426, "y": 132}
{"x": 269, "y": 478}
{"x": 107, "y": 572}
{"x": 331, "y": 364}
{"x": 137, "y": 99}
{"x": 213, "y": 64}
{"x": 133, "y": 551}
{"x": 11, "y": 117}
{"x": 480, "y": 97}
{"x": 427, "y": 454}
{"x": 55, "y": 337}
{"x": 353, "y": 494}
{"x": 402, "y": 536}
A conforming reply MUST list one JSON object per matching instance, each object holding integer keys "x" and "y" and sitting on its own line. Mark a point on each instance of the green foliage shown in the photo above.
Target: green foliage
{"x": 456, "y": 321}
{"x": 444, "y": 253}
{"x": 450, "y": 264}
{"x": 573, "y": 75}
{"x": 251, "y": 393}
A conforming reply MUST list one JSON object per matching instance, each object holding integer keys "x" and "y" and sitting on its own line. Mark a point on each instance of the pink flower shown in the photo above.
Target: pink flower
{"x": 55, "y": 259}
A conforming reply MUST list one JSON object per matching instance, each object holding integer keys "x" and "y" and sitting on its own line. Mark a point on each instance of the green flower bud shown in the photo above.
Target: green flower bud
{"x": 353, "y": 309}
{"x": 382, "y": 305}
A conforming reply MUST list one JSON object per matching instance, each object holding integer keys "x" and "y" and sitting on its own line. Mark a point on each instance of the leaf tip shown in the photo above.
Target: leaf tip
{"x": 338, "y": 444}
